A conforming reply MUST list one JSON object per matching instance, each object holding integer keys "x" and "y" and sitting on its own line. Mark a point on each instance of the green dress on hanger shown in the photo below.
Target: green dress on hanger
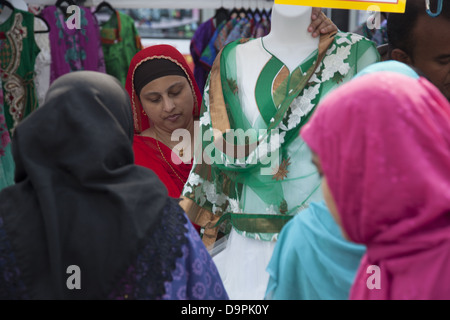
{"x": 120, "y": 42}
{"x": 18, "y": 52}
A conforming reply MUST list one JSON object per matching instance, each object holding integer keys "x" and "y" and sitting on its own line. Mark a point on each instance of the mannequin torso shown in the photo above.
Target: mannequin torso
{"x": 288, "y": 41}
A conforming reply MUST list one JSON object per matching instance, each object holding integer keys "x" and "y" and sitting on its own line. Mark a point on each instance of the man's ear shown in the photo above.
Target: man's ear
{"x": 402, "y": 56}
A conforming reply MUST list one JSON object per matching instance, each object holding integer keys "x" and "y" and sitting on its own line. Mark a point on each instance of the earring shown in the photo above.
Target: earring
{"x": 433, "y": 14}
{"x": 143, "y": 112}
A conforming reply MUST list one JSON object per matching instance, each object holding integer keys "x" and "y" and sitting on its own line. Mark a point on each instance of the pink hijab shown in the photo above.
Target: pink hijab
{"x": 384, "y": 145}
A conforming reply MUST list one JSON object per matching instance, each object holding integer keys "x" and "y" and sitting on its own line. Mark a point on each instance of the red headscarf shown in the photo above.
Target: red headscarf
{"x": 383, "y": 141}
{"x": 162, "y": 51}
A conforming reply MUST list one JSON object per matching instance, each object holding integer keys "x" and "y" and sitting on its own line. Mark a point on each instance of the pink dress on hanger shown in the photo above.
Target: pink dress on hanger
{"x": 73, "y": 49}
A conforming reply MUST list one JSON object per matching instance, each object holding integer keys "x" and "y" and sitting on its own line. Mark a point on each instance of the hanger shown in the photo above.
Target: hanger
{"x": 249, "y": 13}
{"x": 60, "y": 2}
{"x": 265, "y": 14}
{"x": 234, "y": 13}
{"x": 221, "y": 14}
{"x": 257, "y": 13}
{"x": 7, "y": 3}
{"x": 242, "y": 13}
{"x": 104, "y": 5}
{"x": 46, "y": 23}
{"x": 63, "y": 9}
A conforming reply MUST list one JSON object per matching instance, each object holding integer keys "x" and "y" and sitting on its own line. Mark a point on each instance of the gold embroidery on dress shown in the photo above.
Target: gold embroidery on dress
{"x": 14, "y": 85}
{"x": 283, "y": 207}
{"x": 233, "y": 85}
{"x": 280, "y": 172}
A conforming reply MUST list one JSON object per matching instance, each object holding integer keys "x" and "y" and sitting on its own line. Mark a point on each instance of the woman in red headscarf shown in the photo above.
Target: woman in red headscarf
{"x": 165, "y": 101}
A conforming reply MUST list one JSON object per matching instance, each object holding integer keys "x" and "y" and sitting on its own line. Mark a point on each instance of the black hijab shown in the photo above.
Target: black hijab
{"x": 79, "y": 199}
{"x": 153, "y": 69}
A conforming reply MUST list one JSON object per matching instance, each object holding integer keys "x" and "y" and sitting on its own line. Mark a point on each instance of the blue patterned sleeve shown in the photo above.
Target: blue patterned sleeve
{"x": 173, "y": 264}
{"x": 11, "y": 284}
{"x": 196, "y": 276}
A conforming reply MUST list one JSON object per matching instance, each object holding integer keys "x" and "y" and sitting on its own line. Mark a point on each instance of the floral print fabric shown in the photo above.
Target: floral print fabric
{"x": 252, "y": 101}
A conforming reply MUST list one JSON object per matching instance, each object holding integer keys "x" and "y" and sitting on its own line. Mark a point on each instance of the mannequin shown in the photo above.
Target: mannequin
{"x": 288, "y": 38}
{"x": 290, "y": 42}
{"x": 270, "y": 84}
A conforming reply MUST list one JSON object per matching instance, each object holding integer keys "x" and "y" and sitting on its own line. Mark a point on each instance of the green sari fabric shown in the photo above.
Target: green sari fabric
{"x": 251, "y": 171}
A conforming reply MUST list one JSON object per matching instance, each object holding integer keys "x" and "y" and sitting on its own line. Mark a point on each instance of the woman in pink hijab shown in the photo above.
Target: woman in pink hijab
{"x": 382, "y": 143}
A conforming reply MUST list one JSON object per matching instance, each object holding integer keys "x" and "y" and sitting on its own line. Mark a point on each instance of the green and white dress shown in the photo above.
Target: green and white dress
{"x": 252, "y": 172}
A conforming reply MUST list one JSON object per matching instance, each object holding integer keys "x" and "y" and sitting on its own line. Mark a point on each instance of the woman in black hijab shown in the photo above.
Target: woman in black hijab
{"x": 82, "y": 220}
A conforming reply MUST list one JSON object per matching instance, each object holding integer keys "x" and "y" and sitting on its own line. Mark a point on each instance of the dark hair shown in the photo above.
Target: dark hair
{"x": 400, "y": 26}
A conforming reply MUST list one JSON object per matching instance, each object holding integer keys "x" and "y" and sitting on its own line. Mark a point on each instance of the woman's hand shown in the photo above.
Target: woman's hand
{"x": 320, "y": 24}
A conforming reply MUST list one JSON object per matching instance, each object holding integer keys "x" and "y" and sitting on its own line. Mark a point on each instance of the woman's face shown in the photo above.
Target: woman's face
{"x": 168, "y": 102}
{"x": 328, "y": 197}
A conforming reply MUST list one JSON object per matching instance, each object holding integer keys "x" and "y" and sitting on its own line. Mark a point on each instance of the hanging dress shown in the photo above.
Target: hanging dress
{"x": 120, "y": 42}
{"x": 74, "y": 49}
{"x": 18, "y": 51}
{"x": 252, "y": 172}
{"x": 198, "y": 43}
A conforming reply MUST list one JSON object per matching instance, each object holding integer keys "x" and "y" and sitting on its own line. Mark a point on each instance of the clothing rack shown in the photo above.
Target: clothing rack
{"x": 169, "y": 4}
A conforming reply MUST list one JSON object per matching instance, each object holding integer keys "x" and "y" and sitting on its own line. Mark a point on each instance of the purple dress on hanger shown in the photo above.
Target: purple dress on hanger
{"x": 199, "y": 41}
{"x": 74, "y": 49}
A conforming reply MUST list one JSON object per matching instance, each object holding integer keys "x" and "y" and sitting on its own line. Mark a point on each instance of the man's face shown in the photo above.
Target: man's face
{"x": 431, "y": 53}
